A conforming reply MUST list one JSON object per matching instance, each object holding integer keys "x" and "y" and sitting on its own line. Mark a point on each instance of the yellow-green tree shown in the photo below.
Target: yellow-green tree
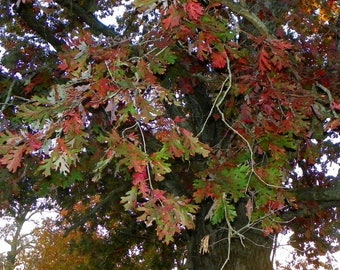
{"x": 53, "y": 250}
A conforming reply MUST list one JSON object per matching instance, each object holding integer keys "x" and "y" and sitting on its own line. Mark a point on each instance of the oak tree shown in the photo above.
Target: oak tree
{"x": 199, "y": 129}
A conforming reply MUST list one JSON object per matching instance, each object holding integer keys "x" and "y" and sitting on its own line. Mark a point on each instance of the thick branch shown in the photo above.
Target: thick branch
{"x": 96, "y": 27}
{"x": 325, "y": 198}
{"x": 320, "y": 195}
{"x": 86, "y": 217}
{"x": 245, "y": 13}
{"x": 27, "y": 14}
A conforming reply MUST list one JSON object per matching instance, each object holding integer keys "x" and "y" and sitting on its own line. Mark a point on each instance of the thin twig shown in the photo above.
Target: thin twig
{"x": 218, "y": 103}
{"x": 218, "y": 100}
{"x": 9, "y": 92}
{"x": 247, "y": 227}
{"x": 112, "y": 78}
{"x": 145, "y": 151}
{"x": 128, "y": 128}
{"x": 230, "y": 229}
{"x": 330, "y": 98}
{"x": 274, "y": 248}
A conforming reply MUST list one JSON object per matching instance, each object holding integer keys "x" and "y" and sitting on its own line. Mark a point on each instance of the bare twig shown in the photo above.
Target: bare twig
{"x": 240, "y": 9}
{"x": 330, "y": 98}
{"x": 145, "y": 151}
{"x": 8, "y": 96}
{"x": 220, "y": 97}
{"x": 231, "y": 231}
{"x": 218, "y": 102}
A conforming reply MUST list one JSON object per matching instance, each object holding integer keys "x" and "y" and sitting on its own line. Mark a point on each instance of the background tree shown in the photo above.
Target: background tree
{"x": 19, "y": 204}
{"x": 52, "y": 250}
{"x": 96, "y": 250}
{"x": 208, "y": 121}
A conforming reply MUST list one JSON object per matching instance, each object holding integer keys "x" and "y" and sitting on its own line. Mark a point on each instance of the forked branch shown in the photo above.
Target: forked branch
{"x": 239, "y": 9}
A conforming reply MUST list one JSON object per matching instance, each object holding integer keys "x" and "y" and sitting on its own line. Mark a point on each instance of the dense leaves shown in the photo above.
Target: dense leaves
{"x": 179, "y": 112}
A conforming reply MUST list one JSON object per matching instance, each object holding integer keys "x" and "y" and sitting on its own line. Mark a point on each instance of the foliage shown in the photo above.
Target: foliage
{"x": 179, "y": 105}
{"x": 51, "y": 250}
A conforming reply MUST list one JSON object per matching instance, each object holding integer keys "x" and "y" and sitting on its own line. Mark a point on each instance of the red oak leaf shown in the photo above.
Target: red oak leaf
{"x": 140, "y": 181}
{"x": 102, "y": 86}
{"x": 268, "y": 231}
{"x": 219, "y": 59}
{"x": 139, "y": 177}
{"x": 204, "y": 42}
{"x": 34, "y": 142}
{"x": 281, "y": 45}
{"x": 158, "y": 194}
{"x": 194, "y": 10}
{"x": 274, "y": 205}
{"x": 13, "y": 158}
{"x": 145, "y": 73}
{"x": 173, "y": 19}
{"x": 264, "y": 61}
{"x": 179, "y": 119}
{"x": 73, "y": 122}
{"x": 320, "y": 73}
{"x": 185, "y": 32}
{"x": 36, "y": 80}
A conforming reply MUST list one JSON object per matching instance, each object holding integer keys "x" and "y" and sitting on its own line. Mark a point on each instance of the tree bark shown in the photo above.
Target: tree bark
{"x": 15, "y": 245}
{"x": 95, "y": 26}
{"x": 251, "y": 252}
{"x": 27, "y": 14}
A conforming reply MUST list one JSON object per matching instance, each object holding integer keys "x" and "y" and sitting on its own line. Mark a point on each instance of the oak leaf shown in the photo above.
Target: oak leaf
{"x": 158, "y": 194}
{"x": 173, "y": 19}
{"x": 130, "y": 200}
{"x": 140, "y": 181}
{"x": 194, "y": 10}
{"x": 219, "y": 59}
{"x": 264, "y": 61}
{"x": 281, "y": 44}
{"x": 13, "y": 158}
{"x": 34, "y": 142}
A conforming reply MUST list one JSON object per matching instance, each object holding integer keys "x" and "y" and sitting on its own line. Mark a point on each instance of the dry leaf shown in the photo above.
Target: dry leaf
{"x": 204, "y": 246}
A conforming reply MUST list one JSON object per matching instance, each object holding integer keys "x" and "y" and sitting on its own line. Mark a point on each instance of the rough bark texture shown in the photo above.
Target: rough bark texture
{"x": 253, "y": 252}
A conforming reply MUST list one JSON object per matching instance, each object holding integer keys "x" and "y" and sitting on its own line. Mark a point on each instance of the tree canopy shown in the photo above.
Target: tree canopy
{"x": 181, "y": 133}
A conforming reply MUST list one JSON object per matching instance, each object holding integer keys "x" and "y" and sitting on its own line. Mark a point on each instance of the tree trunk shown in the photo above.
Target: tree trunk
{"x": 13, "y": 253}
{"x": 253, "y": 252}
{"x": 16, "y": 242}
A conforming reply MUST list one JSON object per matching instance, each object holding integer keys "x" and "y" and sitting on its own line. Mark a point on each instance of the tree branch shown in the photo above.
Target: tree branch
{"x": 320, "y": 195}
{"x": 251, "y": 17}
{"x": 26, "y": 13}
{"x": 96, "y": 27}
{"x": 325, "y": 198}
{"x": 86, "y": 217}
{"x": 40, "y": 27}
